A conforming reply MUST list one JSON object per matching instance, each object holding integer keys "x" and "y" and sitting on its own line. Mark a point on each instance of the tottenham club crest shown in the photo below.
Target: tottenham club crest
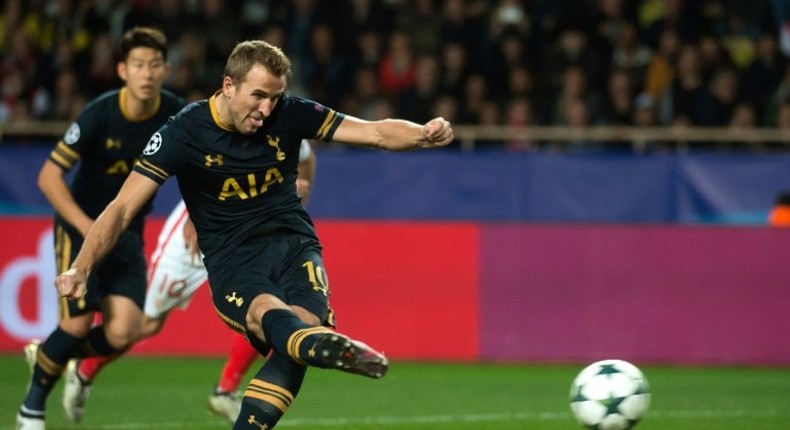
{"x": 153, "y": 144}
{"x": 72, "y": 134}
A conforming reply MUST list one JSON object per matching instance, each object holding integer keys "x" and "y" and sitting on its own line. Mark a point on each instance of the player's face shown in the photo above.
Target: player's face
{"x": 144, "y": 72}
{"x": 253, "y": 100}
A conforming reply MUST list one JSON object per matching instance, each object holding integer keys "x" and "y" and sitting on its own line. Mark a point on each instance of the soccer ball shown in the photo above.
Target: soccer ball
{"x": 609, "y": 395}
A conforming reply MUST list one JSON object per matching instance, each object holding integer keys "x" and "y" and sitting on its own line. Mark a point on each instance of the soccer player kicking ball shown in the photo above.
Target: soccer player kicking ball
{"x": 176, "y": 271}
{"x": 235, "y": 156}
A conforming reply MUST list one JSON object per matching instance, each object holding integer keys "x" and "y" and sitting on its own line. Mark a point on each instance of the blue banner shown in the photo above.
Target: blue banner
{"x": 449, "y": 185}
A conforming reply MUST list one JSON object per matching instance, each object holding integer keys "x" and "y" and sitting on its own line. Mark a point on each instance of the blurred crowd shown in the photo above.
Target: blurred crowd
{"x": 487, "y": 62}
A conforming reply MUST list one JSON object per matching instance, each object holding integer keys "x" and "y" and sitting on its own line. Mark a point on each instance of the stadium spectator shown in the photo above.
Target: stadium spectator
{"x": 687, "y": 96}
{"x": 742, "y": 120}
{"x": 783, "y": 115}
{"x": 725, "y": 95}
{"x": 489, "y": 115}
{"x": 630, "y": 54}
{"x": 509, "y": 16}
{"x": 415, "y": 103}
{"x": 779, "y": 97}
{"x": 421, "y": 20}
{"x": 326, "y": 71}
{"x": 510, "y": 53}
{"x": 644, "y": 115}
{"x": 366, "y": 97}
{"x": 713, "y": 56}
{"x": 14, "y": 103}
{"x": 102, "y": 68}
{"x": 369, "y": 50}
{"x": 68, "y": 101}
{"x": 764, "y": 73}
{"x": 397, "y": 68}
{"x": 616, "y": 105}
{"x": 454, "y": 69}
{"x": 519, "y": 115}
{"x": 574, "y": 87}
{"x": 474, "y": 99}
{"x": 661, "y": 70}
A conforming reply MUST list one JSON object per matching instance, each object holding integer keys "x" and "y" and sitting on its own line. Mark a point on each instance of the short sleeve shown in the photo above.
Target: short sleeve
{"x": 77, "y": 139}
{"x": 163, "y": 155}
{"x": 314, "y": 120}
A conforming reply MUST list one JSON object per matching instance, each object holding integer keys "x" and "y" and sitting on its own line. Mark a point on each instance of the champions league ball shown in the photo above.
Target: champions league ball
{"x": 609, "y": 395}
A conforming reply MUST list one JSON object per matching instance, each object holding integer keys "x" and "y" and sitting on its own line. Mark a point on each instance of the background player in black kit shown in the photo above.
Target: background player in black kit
{"x": 105, "y": 141}
{"x": 235, "y": 157}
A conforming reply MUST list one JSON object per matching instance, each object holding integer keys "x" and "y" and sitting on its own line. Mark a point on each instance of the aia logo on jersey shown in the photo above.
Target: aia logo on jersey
{"x": 72, "y": 134}
{"x": 153, "y": 144}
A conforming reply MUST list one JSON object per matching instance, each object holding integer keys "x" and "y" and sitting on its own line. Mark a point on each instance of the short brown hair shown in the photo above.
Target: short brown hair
{"x": 248, "y": 53}
{"x": 145, "y": 37}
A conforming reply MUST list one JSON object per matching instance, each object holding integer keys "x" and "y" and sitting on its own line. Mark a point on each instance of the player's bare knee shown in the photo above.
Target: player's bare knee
{"x": 77, "y": 327}
{"x": 150, "y": 326}
{"x": 306, "y": 316}
{"x": 258, "y": 307}
{"x": 121, "y": 337}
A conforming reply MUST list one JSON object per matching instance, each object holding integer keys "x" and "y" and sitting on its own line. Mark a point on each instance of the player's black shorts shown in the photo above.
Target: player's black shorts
{"x": 122, "y": 272}
{"x": 285, "y": 264}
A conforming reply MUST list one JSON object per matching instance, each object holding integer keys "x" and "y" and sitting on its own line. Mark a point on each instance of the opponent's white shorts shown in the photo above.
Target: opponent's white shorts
{"x": 173, "y": 274}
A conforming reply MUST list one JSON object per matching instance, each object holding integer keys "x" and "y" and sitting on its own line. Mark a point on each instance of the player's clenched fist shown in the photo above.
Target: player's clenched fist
{"x": 72, "y": 284}
{"x": 437, "y": 132}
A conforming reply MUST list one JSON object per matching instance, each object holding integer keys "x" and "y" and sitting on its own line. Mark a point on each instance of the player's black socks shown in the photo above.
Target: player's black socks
{"x": 96, "y": 344}
{"x": 52, "y": 357}
{"x": 289, "y": 336}
{"x": 270, "y": 393}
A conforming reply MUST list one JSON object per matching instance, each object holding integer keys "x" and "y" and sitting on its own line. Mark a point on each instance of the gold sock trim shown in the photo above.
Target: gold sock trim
{"x": 47, "y": 365}
{"x": 275, "y": 395}
{"x": 295, "y": 341}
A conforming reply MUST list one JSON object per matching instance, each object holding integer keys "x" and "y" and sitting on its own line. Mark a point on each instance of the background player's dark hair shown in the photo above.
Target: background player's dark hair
{"x": 783, "y": 198}
{"x": 143, "y": 37}
{"x": 247, "y": 54}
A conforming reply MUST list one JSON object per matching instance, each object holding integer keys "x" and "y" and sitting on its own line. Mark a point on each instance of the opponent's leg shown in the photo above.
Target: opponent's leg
{"x": 88, "y": 368}
{"x": 225, "y": 400}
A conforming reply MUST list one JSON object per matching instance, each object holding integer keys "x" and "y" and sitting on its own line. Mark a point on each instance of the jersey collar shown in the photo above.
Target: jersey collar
{"x": 212, "y": 104}
{"x": 123, "y": 94}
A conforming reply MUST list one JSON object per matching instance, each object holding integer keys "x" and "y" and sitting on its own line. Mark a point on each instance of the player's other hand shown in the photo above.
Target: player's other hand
{"x": 72, "y": 284}
{"x": 437, "y": 132}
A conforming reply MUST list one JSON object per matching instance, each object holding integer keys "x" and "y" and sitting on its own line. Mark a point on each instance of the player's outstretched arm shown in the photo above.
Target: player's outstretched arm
{"x": 104, "y": 233}
{"x": 394, "y": 134}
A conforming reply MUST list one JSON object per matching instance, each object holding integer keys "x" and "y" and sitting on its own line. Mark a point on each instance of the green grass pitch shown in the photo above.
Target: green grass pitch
{"x": 143, "y": 393}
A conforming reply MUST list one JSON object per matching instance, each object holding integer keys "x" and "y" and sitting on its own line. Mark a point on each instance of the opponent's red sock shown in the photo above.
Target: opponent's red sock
{"x": 91, "y": 366}
{"x": 241, "y": 356}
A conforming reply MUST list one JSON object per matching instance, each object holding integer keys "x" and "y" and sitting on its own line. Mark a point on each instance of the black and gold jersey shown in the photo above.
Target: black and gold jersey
{"x": 105, "y": 140}
{"x": 238, "y": 186}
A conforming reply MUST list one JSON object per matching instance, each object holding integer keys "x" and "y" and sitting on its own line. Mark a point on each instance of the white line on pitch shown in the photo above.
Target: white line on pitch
{"x": 427, "y": 419}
